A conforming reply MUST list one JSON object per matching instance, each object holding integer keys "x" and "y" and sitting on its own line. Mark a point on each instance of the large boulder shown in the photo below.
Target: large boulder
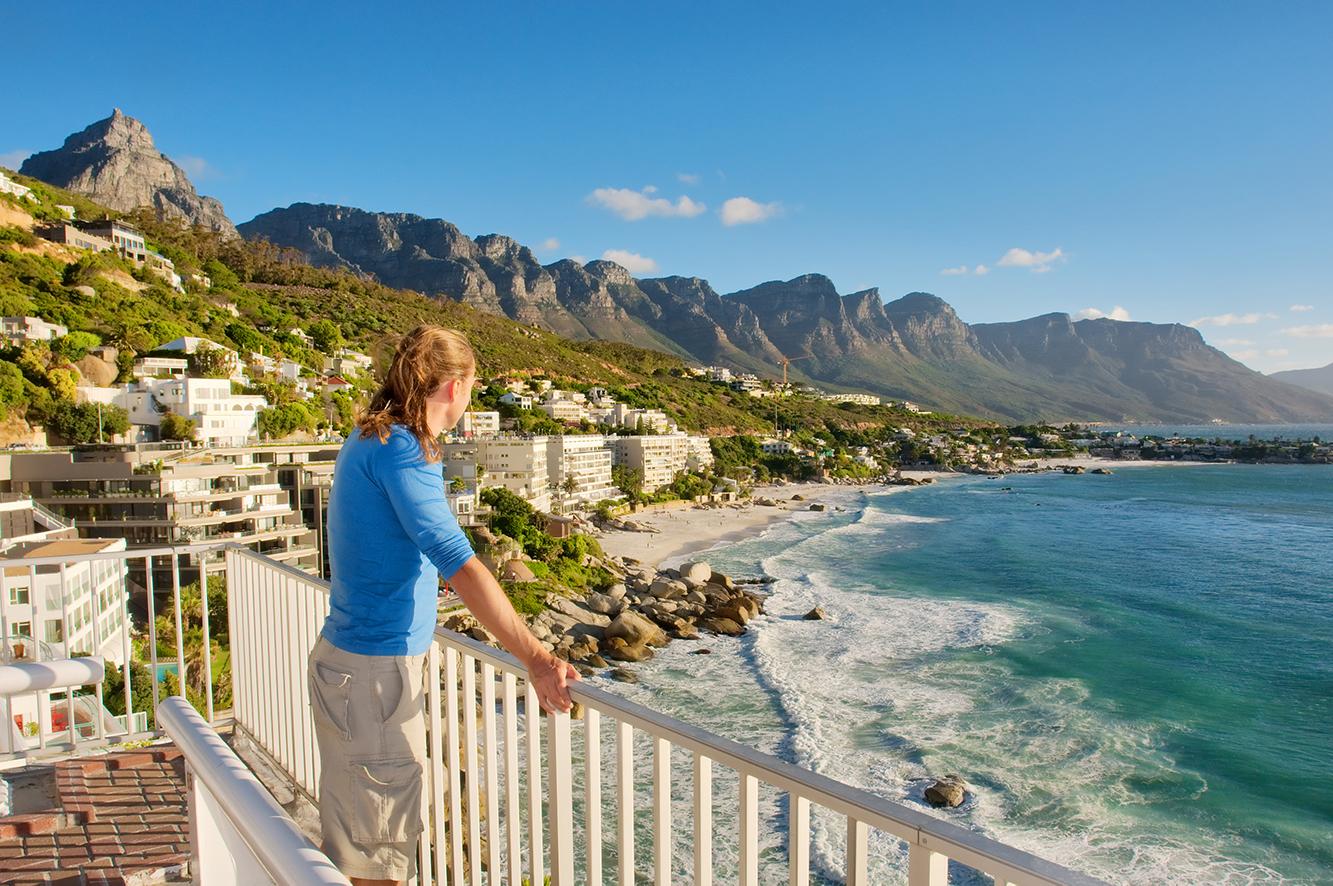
{"x": 581, "y": 614}
{"x": 618, "y": 650}
{"x": 949, "y": 791}
{"x": 722, "y": 626}
{"x": 97, "y": 372}
{"x": 668, "y": 589}
{"x": 816, "y": 614}
{"x": 635, "y": 629}
{"x": 604, "y": 604}
{"x": 696, "y": 571}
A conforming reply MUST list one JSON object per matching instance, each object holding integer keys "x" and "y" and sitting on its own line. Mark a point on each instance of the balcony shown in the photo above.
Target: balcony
{"x": 623, "y": 794}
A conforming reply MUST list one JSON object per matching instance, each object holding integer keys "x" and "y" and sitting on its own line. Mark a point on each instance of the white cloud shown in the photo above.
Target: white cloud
{"x": 1321, "y": 330}
{"x": 1231, "y": 320}
{"x": 581, "y": 259}
{"x": 14, "y": 159}
{"x": 1037, "y": 262}
{"x": 650, "y": 189}
{"x": 1234, "y": 343}
{"x": 955, "y": 272}
{"x": 550, "y": 244}
{"x": 1300, "y": 309}
{"x": 630, "y": 261}
{"x": 1116, "y": 313}
{"x": 1244, "y": 355}
{"x": 195, "y": 167}
{"x": 981, "y": 270}
{"x": 636, "y": 205}
{"x": 687, "y": 178}
{"x": 1277, "y": 352}
{"x": 744, "y": 211}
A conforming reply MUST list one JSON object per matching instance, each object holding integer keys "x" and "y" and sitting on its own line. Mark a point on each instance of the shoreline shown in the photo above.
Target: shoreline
{"x": 684, "y": 532}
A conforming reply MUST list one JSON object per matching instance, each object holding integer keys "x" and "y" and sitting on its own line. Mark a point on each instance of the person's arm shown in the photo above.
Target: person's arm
{"x": 486, "y": 600}
{"x": 416, "y": 491}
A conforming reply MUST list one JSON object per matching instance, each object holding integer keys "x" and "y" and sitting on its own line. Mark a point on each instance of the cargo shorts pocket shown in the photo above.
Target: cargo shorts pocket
{"x": 331, "y": 696}
{"x": 386, "y": 800}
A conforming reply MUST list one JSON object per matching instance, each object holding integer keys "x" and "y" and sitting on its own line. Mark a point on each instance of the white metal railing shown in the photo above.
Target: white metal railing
{"x": 504, "y": 804}
{"x": 26, "y": 582}
{"x": 238, "y": 833}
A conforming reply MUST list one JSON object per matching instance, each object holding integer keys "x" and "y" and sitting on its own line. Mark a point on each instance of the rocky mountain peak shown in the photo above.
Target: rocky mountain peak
{"x": 116, "y": 163}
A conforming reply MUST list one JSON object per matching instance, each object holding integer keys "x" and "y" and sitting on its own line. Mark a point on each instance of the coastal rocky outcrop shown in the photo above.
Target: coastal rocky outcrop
{"x": 948, "y": 792}
{"x": 115, "y": 162}
{"x": 628, "y": 621}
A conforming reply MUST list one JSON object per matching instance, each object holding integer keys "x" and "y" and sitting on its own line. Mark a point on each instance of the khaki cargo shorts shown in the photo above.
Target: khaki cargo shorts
{"x": 371, "y": 728}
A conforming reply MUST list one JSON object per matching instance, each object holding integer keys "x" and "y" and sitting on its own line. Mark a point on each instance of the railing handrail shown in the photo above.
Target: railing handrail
{"x": 876, "y": 811}
{"x": 270, "y": 833}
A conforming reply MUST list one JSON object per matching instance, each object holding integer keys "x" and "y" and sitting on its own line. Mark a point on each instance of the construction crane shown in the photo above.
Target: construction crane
{"x": 788, "y": 360}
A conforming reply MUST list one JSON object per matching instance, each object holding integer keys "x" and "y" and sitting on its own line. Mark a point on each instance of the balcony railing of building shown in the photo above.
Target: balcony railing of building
{"x": 626, "y": 794}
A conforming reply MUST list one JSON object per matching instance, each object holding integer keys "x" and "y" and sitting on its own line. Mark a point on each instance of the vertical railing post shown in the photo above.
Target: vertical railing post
{"x": 857, "y": 852}
{"x": 749, "y": 829}
{"x": 561, "y": 812}
{"x": 439, "y": 813}
{"x": 513, "y": 822}
{"x": 625, "y": 803}
{"x": 152, "y": 630}
{"x": 662, "y": 812}
{"x": 592, "y": 783}
{"x": 451, "y": 756}
{"x": 180, "y": 628}
{"x": 926, "y": 868}
{"x": 703, "y": 820}
{"x": 798, "y": 840}
{"x": 65, "y": 641}
{"x": 471, "y": 769}
{"x": 532, "y": 722}
{"x": 494, "y": 838}
{"x": 208, "y": 651}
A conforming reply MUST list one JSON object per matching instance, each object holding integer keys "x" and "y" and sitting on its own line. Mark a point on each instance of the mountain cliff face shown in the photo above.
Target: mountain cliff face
{"x": 1319, "y": 380}
{"x": 114, "y": 162}
{"x": 915, "y": 347}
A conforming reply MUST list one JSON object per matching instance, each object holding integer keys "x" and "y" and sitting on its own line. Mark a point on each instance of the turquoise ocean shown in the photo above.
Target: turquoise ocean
{"x": 1133, "y": 672}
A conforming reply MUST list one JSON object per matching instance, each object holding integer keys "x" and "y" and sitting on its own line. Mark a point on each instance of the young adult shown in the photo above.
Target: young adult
{"x": 391, "y": 535}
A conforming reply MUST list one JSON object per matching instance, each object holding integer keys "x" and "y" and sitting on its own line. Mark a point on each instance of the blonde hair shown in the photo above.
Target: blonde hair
{"x": 425, "y": 358}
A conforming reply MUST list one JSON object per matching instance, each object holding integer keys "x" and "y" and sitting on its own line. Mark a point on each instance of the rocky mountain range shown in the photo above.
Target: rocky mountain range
{"x": 114, "y": 162}
{"x": 1320, "y": 379}
{"x": 915, "y": 347}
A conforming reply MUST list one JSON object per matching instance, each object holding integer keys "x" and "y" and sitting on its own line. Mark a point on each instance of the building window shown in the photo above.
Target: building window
{"x": 20, "y": 629}
{"x": 55, "y": 631}
{"x": 18, "y": 595}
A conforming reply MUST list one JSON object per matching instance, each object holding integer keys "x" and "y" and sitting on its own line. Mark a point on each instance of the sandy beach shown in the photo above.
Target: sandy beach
{"x": 687, "y": 530}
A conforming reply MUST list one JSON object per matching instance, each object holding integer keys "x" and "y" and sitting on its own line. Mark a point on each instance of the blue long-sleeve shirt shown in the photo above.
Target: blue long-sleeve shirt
{"x": 391, "y": 535}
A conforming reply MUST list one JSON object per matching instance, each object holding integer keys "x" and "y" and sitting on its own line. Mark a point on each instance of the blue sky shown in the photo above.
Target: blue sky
{"x": 1162, "y": 162}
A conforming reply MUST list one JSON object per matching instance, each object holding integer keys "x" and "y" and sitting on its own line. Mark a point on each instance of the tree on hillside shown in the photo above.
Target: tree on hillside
{"x": 177, "y": 427}
{"x": 327, "y": 336}
{"x": 86, "y": 422}
{"x": 628, "y": 480}
{"x": 210, "y": 362}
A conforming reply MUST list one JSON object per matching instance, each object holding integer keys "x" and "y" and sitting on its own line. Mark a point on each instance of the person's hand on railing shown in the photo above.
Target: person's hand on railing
{"x": 550, "y": 678}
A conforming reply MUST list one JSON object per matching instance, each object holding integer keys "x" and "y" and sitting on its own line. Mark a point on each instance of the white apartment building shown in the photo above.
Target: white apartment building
{"x": 522, "y": 401}
{"x": 776, "y": 447}
{"x": 516, "y": 463}
{"x": 620, "y": 415}
{"x": 154, "y": 367}
{"x": 863, "y": 399}
{"x": 700, "y": 453}
{"x": 564, "y": 410}
{"x": 13, "y": 188}
{"x": 190, "y": 344}
{"x": 581, "y": 462}
{"x": 658, "y": 458}
{"x": 18, "y": 330}
{"x": 476, "y": 424}
{"x": 347, "y": 362}
{"x": 221, "y": 418}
